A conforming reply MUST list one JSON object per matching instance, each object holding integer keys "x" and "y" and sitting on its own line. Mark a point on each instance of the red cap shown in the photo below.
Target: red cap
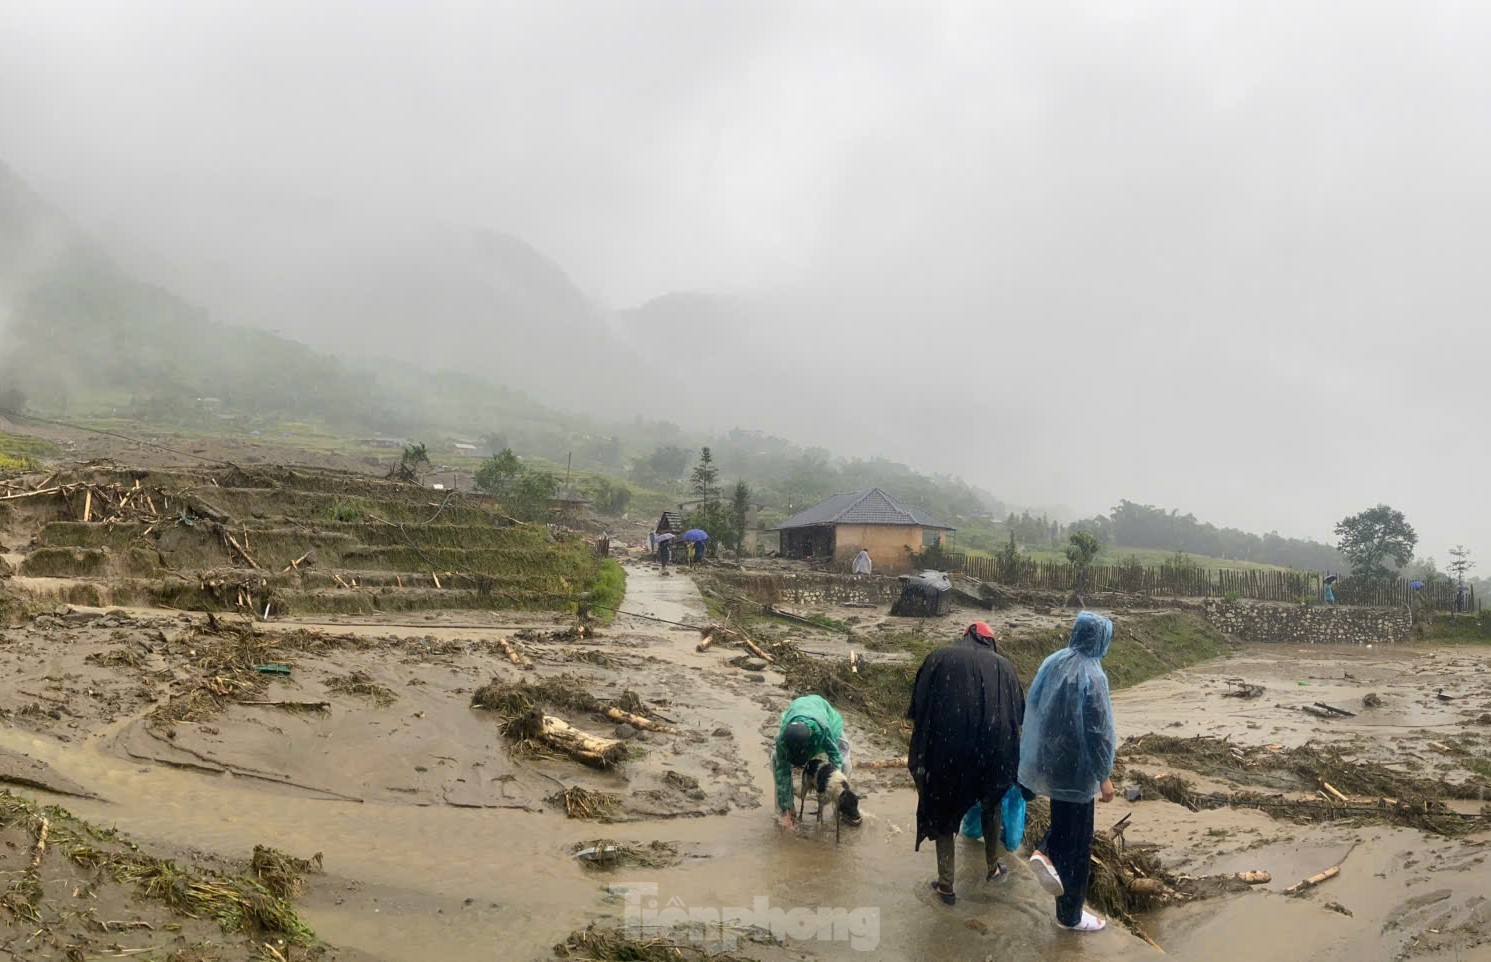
{"x": 982, "y": 629}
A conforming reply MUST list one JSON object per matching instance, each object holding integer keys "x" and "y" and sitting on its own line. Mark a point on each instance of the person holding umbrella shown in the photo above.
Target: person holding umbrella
{"x": 697, "y": 538}
{"x": 1330, "y": 589}
{"x": 664, "y": 544}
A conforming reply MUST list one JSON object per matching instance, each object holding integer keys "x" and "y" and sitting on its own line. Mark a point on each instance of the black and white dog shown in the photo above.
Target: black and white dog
{"x": 822, "y": 779}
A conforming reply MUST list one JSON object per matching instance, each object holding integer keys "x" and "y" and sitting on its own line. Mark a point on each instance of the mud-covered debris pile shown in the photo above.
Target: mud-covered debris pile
{"x": 600, "y": 944}
{"x": 224, "y": 661}
{"x": 363, "y": 684}
{"x": 608, "y": 854}
{"x": 283, "y": 876}
{"x": 57, "y": 864}
{"x": 1307, "y": 767}
{"x": 583, "y": 803}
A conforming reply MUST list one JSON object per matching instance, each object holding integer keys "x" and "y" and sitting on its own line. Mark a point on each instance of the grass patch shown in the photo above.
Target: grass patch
{"x": 608, "y": 590}
{"x": 348, "y": 510}
{"x": 20, "y": 453}
{"x": 1458, "y": 629}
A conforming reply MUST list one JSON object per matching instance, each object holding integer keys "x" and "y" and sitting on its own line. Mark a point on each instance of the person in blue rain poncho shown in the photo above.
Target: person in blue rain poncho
{"x": 1066, "y": 754}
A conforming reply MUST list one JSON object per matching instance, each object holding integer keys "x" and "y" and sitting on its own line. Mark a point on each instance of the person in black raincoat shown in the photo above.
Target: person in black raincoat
{"x": 966, "y": 708}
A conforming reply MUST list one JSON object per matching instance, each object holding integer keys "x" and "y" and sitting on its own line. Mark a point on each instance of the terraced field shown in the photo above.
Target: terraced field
{"x": 283, "y": 542}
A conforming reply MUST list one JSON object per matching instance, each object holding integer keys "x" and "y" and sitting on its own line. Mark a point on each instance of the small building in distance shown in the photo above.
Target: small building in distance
{"x": 840, "y": 526}
{"x": 568, "y": 503}
{"x": 670, "y": 523}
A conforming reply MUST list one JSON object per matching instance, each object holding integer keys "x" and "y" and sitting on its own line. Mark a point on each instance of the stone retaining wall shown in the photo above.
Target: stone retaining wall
{"x": 809, "y": 589}
{"x": 1317, "y": 624}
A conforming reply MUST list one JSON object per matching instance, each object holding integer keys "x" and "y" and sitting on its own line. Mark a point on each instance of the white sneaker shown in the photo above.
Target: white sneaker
{"x": 1045, "y": 873}
{"x": 1089, "y": 923}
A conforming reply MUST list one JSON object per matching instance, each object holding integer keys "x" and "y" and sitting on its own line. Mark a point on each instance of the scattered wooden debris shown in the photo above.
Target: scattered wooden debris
{"x": 1334, "y": 793}
{"x": 1242, "y": 689}
{"x": 1372, "y": 700}
{"x": 1334, "y": 710}
{"x": 637, "y": 721}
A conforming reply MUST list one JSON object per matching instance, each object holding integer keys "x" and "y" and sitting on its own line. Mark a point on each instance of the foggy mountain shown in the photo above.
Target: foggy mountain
{"x": 366, "y": 286}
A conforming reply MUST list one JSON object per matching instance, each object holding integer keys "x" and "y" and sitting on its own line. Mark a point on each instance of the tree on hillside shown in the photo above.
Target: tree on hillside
{"x": 1372, "y": 538}
{"x": 1460, "y": 567}
{"x": 414, "y": 460}
{"x": 499, "y": 473}
{"x": 705, "y": 478}
{"x": 740, "y": 509}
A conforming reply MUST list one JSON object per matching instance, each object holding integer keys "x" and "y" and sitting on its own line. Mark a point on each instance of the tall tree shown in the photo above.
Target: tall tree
{"x": 706, "y": 477}
{"x": 1081, "y": 549}
{"x": 1460, "y": 567}
{"x": 740, "y": 509}
{"x": 1372, "y": 538}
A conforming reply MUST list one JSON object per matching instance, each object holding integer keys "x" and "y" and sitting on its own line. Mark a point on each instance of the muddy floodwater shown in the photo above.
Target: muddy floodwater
{"x": 438, "y": 844}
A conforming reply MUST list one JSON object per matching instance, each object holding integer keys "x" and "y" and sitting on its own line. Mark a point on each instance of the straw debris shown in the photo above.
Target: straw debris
{"x": 583, "y": 803}
{"x": 361, "y": 683}
{"x": 283, "y": 876}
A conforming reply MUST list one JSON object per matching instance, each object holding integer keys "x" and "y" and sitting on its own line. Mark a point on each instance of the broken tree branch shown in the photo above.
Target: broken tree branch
{"x": 1300, "y": 888}
{"x": 637, "y": 721}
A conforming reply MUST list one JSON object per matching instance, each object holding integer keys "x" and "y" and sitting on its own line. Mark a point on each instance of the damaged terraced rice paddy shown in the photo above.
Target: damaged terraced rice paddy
{"x": 489, "y": 749}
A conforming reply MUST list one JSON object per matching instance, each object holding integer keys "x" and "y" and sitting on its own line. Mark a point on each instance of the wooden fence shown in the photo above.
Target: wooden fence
{"x": 1291, "y": 587}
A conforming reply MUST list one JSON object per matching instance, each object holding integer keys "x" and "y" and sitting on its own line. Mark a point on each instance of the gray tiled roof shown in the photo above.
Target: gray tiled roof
{"x": 862, "y": 507}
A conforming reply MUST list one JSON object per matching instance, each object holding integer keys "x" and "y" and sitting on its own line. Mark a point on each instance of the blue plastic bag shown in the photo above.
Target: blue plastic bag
{"x": 973, "y": 822}
{"x": 1011, "y": 814}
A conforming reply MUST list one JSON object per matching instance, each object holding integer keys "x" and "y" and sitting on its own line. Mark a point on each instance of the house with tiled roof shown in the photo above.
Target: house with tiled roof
{"x": 840, "y": 526}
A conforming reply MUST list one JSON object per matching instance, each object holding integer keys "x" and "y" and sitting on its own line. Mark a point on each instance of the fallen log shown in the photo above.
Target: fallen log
{"x": 1318, "y": 878}
{"x": 705, "y": 642}
{"x": 855, "y": 660}
{"x": 883, "y": 763}
{"x": 1317, "y": 712}
{"x": 513, "y": 654}
{"x": 1147, "y": 886}
{"x": 1251, "y": 878}
{"x": 295, "y": 564}
{"x": 558, "y": 734}
{"x": 637, "y": 721}
{"x": 1333, "y": 792}
{"x": 88, "y": 506}
{"x": 755, "y": 649}
{"x": 1334, "y": 710}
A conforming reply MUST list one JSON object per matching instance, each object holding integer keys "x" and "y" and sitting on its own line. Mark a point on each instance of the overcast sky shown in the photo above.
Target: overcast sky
{"x": 1215, "y": 255}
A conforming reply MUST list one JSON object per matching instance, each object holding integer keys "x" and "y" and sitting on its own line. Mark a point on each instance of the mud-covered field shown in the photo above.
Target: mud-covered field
{"x": 447, "y": 830}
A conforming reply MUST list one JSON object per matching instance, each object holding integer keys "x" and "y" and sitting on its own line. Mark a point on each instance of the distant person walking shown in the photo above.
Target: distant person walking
{"x": 1329, "y": 593}
{"x": 1461, "y": 599}
{"x": 966, "y": 709}
{"x": 1066, "y": 754}
{"x": 862, "y": 562}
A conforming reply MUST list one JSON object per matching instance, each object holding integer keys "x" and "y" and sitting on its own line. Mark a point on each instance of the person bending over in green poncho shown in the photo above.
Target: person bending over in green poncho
{"x": 810, "y": 727}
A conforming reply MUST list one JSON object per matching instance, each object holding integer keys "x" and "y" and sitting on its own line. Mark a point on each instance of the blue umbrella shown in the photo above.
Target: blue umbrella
{"x": 694, "y": 534}
{"x": 1415, "y": 584}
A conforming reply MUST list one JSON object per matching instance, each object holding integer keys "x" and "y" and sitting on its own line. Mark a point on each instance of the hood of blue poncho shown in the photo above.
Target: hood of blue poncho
{"x": 1091, "y": 635}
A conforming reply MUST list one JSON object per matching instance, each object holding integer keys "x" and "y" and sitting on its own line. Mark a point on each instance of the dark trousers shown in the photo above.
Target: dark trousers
{"x": 947, "y": 845}
{"x": 1068, "y": 845}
